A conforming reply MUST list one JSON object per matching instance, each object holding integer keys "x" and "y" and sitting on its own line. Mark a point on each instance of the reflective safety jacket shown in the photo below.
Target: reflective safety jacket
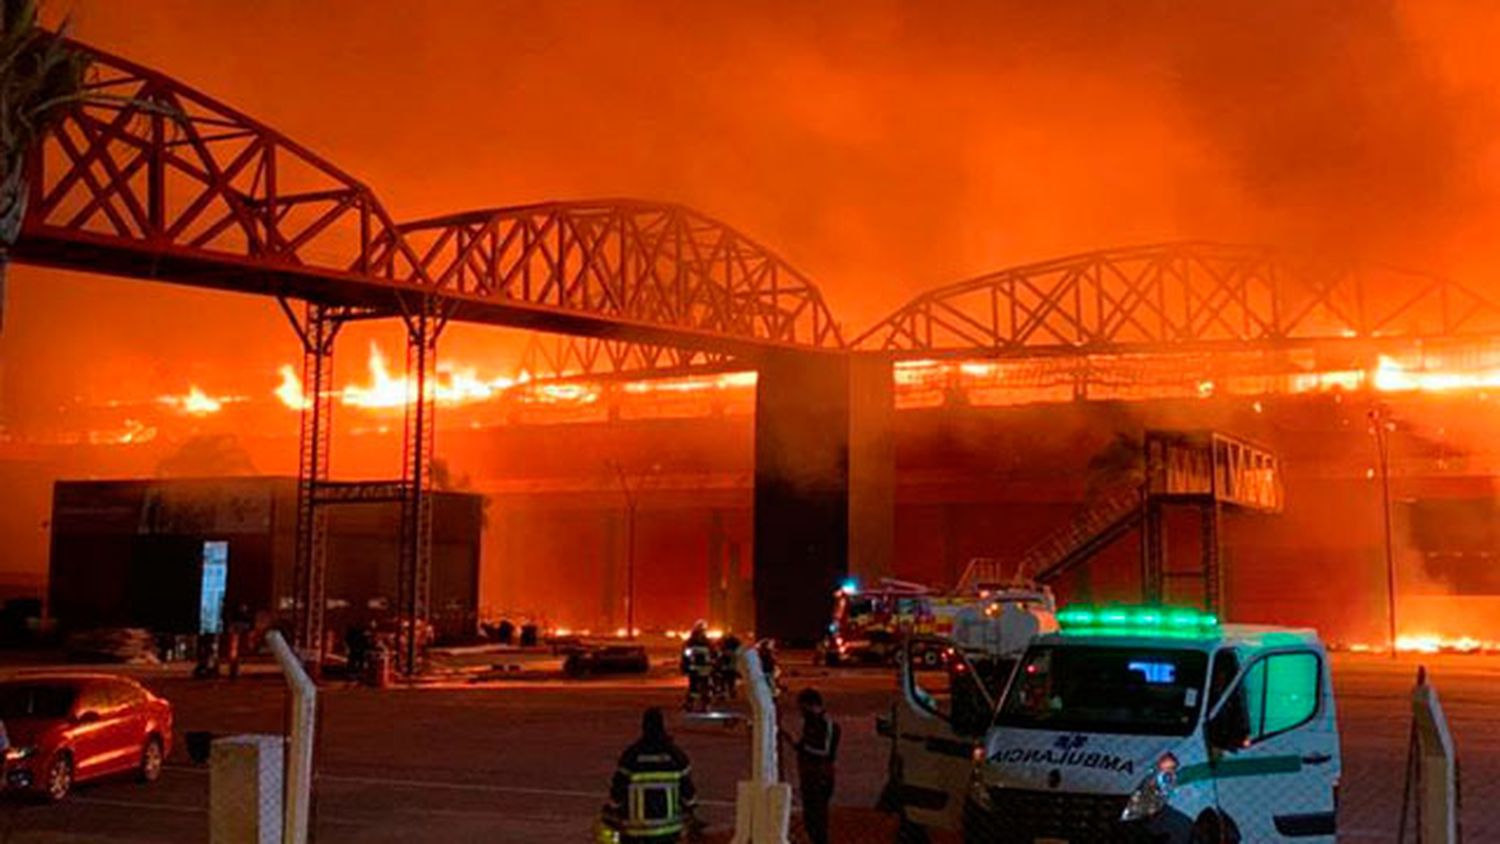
{"x": 653, "y": 790}
{"x": 817, "y": 751}
{"x": 697, "y": 658}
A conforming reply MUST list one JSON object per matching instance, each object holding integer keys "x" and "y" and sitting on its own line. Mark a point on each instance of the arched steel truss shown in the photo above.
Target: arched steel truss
{"x": 149, "y": 178}
{"x": 556, "y": 357}
{"x": 1177, "y": 297}
{"x": 615, "y": 268}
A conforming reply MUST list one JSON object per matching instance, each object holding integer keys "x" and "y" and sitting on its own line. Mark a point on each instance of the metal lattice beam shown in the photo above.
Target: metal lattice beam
{"x": 151, "y": 179}
{"x": 1178, "y": 297}
{"x": 559, "y": 357}
{"x": 424, "y": 325}
{"x": 626, "y": 265}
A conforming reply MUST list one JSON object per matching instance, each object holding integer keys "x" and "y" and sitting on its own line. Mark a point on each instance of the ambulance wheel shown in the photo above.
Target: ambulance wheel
{"x": 1213, "y": 828}
{"x": 979, "y": 826}
{"x": 931, "y": 658}
{"x": 911, "y": 833}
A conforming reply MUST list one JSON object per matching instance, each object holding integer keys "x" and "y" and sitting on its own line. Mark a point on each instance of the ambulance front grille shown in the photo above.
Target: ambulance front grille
{"x": 1028, "y": 815}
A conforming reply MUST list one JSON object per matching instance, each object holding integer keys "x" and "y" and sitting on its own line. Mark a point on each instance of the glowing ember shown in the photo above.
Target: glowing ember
{"x": 195, "y": 402}
{"x": 133, "y": 432}
{"x": 1430, "y": 643}
{"x": 1391, "y": 377}
{"x": 1427, "y": 643}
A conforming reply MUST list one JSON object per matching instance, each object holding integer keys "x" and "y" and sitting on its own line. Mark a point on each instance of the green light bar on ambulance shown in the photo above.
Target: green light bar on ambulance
{"x": 1137, "y": 621}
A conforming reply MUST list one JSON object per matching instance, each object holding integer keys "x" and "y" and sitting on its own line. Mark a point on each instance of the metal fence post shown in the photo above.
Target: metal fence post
{"x": 300, "y": 749}
{"x": 1432, "y": 785}
{"x": 763, "y": 804}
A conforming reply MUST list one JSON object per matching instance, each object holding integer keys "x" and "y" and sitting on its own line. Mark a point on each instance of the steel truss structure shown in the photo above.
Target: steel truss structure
{"x": 617, "y": 268}
{"x": 148, "y": 178}
{"x": 424, "y": 324}
{"x": 561, "y": 357}
{"x": 1178, "y": 297}
{"x": 317, "y": 328}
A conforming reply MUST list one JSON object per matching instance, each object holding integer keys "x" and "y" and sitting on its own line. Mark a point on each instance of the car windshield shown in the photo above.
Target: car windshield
{"x": 36, "y": 700}
{"x": 1099, "y": 689}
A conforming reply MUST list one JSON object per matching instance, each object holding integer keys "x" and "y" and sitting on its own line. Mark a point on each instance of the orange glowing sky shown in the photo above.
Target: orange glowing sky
{"x": 881, "y": 147}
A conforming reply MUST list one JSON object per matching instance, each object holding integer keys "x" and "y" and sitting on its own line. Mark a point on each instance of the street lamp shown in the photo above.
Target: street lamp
{"x": 632, "y": 498}
{"x": 1381, "y": 427}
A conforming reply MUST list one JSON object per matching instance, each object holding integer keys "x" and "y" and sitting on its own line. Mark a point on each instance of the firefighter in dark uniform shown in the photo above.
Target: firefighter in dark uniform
{"x": 652, "y": 795}
{"x": 698, "y": 665}
{"x": 817, "y": 749}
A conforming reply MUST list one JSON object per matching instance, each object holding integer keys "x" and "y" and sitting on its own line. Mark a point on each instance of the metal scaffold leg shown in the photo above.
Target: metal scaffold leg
{"x": 414, "y": 578}
{"x": 1213, "y": 576}
{"x": 317, "y": 328}
{"x": 1153, "y": 555}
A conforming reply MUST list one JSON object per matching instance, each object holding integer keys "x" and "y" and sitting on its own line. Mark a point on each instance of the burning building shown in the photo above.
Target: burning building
{"x": 989, "y": 459}
{"x": 607, "y": 489}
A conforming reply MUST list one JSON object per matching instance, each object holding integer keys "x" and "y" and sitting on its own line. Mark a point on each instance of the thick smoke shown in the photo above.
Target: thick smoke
{"x": 880, "y": 147}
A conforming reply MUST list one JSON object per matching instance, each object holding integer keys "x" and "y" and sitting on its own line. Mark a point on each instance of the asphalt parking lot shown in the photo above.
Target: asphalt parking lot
{"x": 530, "y": 761}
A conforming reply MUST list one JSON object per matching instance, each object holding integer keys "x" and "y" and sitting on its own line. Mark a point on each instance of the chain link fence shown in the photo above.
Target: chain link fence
{"x": 1376, "y": 714}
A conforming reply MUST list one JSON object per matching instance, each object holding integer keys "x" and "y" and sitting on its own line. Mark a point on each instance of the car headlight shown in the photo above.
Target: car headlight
{"x": 1154, "y": 792}
{"x": 17, "y": 754}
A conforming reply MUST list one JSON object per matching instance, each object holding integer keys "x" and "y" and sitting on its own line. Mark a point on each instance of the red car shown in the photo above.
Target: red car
{"x": 67, "y": 728}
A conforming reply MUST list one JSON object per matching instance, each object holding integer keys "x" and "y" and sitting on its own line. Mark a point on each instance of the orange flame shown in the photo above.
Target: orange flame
{"x": 451, "y": 386}
{"x": 918, "y": 383}
{"x": 1431, "y": 643}
{"x": 289, "y": 391}
{"x": 196, "y": 402}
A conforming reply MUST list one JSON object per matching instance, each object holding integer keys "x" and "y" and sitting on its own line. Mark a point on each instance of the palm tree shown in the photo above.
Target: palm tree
{"x": 41, "y": 76}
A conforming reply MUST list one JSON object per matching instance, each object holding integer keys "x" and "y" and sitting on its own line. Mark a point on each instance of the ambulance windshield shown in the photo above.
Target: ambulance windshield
{"x": 1097, "y": 689}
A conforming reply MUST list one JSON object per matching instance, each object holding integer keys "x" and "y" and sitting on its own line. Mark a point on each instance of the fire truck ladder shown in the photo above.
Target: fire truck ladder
{"x": 1206, "y": 471}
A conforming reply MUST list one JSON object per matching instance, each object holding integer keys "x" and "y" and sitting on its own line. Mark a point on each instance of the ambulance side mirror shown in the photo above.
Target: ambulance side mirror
{"x": 1228, "y": 730}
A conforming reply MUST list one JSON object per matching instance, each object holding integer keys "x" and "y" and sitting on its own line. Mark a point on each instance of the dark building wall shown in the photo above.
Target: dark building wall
{"x": 130, "y": 552}
{"x": 801, "y": 539}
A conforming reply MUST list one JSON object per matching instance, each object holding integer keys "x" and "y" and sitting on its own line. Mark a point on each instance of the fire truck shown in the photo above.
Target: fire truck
{"x": 870, "y": 625}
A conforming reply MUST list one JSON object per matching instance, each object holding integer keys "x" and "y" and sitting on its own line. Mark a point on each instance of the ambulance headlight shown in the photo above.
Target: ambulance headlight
{"x": 1154, "y": 792}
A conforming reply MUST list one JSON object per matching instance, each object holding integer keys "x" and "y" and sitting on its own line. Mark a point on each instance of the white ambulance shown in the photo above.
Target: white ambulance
{"x": 1161, "y": 725}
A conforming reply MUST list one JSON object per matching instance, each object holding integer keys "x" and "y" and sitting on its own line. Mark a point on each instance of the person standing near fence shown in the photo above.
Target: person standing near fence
{"x": 817, "y": 750}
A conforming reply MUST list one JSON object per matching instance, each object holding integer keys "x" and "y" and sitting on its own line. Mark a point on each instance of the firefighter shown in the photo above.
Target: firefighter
{"x": 652, "y": 795}
{"x": 817, "y": 749}
{"x": 698, "y": 665}
{"x": 727, "y": 669}
{"x": 768, "y": 665}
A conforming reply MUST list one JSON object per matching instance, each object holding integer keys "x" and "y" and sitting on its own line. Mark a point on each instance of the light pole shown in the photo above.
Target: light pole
{"x": 1381, "y": 427}
{"x": 632, "y": 498}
